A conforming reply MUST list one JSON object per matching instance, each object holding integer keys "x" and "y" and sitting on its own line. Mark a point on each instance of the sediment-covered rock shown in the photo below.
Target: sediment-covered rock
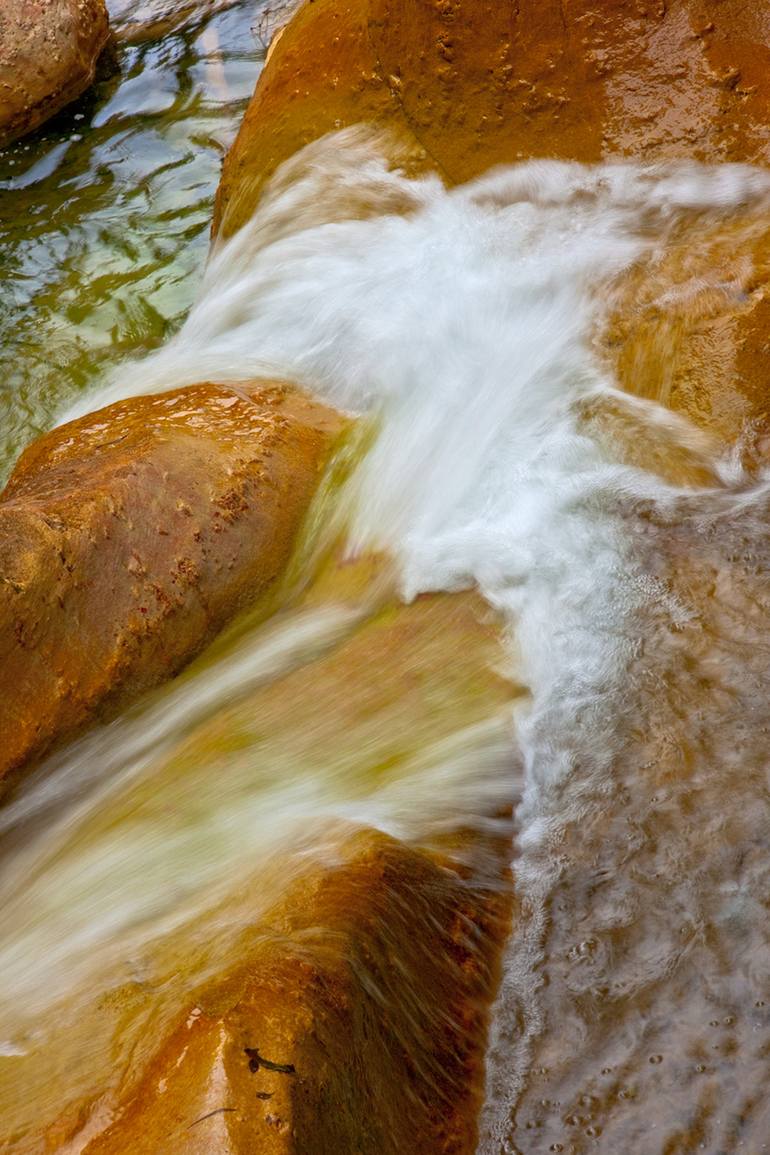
{"x": 356, "y": 1023}
{"x": 129, "y": 537}
{"x": 470, "y": 84}
{"x": 464, "y": 86}
{"x": 48, "y": 54}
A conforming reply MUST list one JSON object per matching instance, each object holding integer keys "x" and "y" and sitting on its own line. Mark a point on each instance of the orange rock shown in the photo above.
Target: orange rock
{"x": 129, "y": 537}
{"x": 472, "y": 84}
{"x": 357, "y": 1023}
{"x": 322, "y": 75}
{"x": 48, "y": 54}
{"x": 384, "y": 712}
{"x": 466, "y": 85}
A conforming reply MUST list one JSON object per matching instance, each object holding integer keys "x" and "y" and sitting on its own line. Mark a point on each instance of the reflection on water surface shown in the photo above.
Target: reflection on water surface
{"x": 105, "y": 211}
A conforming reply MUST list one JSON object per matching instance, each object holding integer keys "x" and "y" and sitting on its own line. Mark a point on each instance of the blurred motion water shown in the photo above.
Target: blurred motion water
{"x": 600, "y": 525}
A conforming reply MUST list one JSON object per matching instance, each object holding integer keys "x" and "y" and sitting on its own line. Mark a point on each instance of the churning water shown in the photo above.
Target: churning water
{"x": 633, "y": 1011}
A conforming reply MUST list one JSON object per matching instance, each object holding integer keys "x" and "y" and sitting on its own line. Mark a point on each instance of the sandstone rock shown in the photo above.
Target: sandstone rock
{"x": 357, "y": 1023}
{"x": 475, "y": 84}
{"x": 464, "y": 86}
{"x": 48, "y": 53}
{"x": 129, "y": 537}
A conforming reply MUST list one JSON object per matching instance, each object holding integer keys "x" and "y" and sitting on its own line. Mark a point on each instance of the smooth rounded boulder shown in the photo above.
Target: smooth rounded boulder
{"x": 48, "y": 55}
{"x": 129, "y": 537}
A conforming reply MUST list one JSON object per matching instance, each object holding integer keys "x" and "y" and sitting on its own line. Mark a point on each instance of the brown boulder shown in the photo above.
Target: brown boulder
{"x": 48, "y": 54}
{"x": 369, "y": 987}
{"x": 474, "y": 84}
{"x": 129, "y": 537}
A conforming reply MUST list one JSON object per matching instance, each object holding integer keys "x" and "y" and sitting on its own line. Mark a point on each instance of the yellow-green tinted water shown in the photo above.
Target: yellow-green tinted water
{"x": 105, "y": 212}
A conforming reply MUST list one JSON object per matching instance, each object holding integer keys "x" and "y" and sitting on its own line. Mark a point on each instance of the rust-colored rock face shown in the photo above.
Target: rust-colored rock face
{"x": 366, "y": 963}
{"x": 129, "y": 537}
{"x": 48, "y": 53}
{"x": 356, "y": 1024}
{"x": 474, "y": 84}
{"x": 464, "y": 86}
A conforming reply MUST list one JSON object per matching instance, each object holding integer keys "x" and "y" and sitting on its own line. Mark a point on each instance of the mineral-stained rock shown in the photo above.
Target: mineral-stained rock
{"x": 48, "y": 54}
{"x": 466, "y": 84}
{"x": 355, "y": 1024}
{"x": 129, "y": 537}
{"x": 472, "y": 83}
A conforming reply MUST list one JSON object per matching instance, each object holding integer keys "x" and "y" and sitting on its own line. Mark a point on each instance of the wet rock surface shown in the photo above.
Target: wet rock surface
{"x": 48, "y": 54}
{"x": 356, "y": 1023}
{"x": 129, "y": 537}
{"x": 471, "y": 85}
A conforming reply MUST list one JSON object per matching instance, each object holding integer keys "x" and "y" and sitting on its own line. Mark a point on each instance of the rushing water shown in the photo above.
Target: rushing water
{"x": 633, "y": 1011}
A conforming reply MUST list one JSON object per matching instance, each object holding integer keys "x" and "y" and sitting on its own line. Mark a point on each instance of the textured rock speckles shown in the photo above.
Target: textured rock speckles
{"x": 48, "y": 54}
{"x": 151, "y": 523}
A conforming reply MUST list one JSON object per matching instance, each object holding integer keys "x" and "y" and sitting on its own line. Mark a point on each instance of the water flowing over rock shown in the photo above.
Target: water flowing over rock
{"x": 282, "y": 1055}
{"x": 281, "y": 921}
{"x": 512, "y": 723}
{"x": 48, "y": 54}
{"x": 463, "y": 87}
{"x": 474, "y": 84}
{"x": 129, "y": 538}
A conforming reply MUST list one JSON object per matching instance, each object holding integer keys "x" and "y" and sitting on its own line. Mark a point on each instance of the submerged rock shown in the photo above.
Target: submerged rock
{"x": 48, "y": 54}
{"x": 129, "y": 537}
{"x": 355, "y": 1024}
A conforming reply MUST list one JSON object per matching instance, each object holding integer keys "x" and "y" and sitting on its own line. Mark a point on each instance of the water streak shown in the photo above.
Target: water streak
{"x": 465, "y": 320}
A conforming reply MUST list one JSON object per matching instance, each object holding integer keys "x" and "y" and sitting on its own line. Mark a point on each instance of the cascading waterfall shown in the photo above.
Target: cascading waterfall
{"x": 463, "y": 323}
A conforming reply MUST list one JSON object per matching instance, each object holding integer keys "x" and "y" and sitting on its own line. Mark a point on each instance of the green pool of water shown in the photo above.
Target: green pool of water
{"x": 105, "y": 212}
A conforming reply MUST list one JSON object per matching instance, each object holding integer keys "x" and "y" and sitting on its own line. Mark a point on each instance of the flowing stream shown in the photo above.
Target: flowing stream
{"x": 503, "y": 458}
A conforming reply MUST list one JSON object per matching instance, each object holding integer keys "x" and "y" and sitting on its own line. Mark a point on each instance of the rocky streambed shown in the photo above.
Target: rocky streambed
{"x": 384, "y": 626}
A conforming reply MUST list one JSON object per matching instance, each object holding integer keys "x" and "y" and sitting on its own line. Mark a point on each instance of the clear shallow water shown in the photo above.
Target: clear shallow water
{"x": 105, "y": 211}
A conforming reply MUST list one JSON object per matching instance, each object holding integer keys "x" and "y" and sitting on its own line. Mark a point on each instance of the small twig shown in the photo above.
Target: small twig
{"x": 256, "y": 1061}
{"x": 216, "y": 1111}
